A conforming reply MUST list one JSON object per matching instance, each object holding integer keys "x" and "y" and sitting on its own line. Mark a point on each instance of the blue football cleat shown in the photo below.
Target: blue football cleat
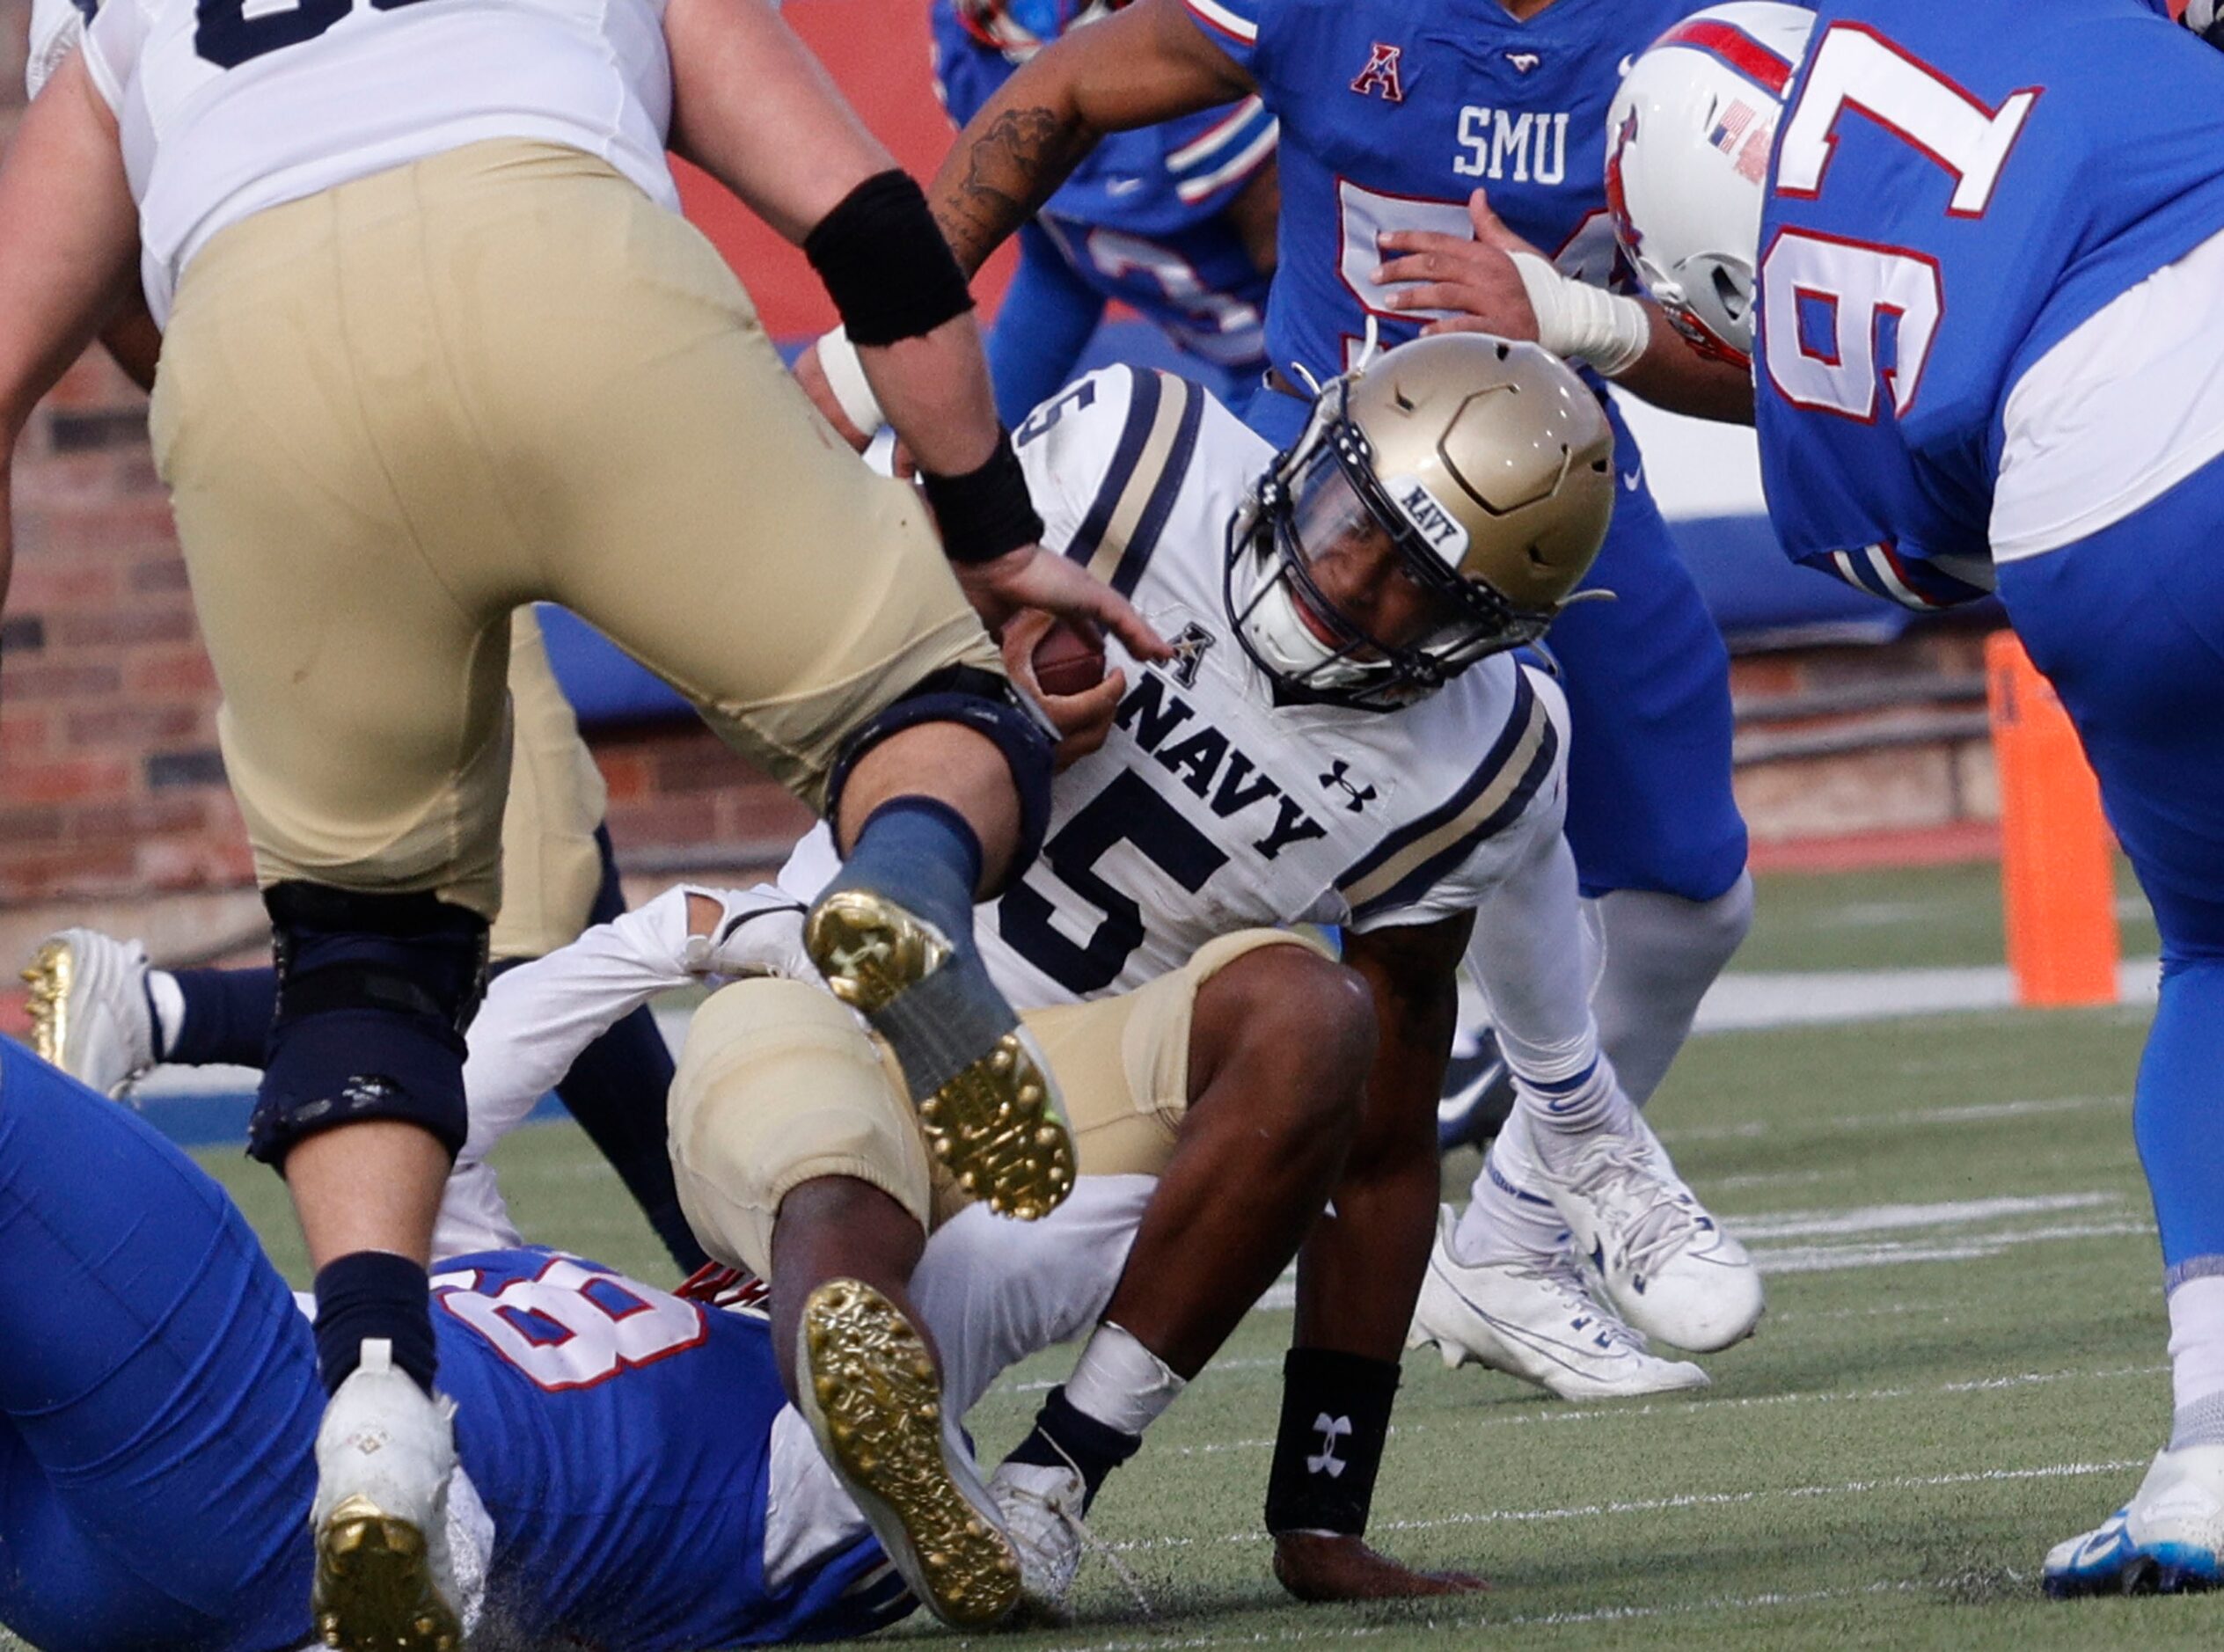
{"x": 2168, "y": 1540}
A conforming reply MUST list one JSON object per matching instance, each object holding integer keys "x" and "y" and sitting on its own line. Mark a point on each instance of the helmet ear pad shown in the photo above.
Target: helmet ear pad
{"x": 1689, "y": 137}
{"x": 1488, "y": 465}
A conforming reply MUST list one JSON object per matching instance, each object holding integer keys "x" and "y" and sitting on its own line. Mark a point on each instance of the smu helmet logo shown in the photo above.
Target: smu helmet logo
{"x": 1381, "y": 73}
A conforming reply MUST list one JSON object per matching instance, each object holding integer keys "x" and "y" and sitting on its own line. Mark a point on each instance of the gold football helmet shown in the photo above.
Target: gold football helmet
{"x": 1485, "y": 463}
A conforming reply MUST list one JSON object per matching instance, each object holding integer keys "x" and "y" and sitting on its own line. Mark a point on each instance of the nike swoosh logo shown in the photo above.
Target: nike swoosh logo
{"x": 1122, "y": 185}
{"x": 1631, "y": 478}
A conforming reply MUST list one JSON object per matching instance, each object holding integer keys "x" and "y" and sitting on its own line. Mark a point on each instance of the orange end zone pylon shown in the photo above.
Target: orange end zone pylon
{"x": 2057, "y": 878}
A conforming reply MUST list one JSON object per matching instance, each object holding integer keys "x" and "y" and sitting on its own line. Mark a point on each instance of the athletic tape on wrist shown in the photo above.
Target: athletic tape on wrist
{"x": 1589, "y": 324}
{"x": 845, "y": 378}
{"x": 885, "y": 264}
{"x": 985, "y": 512}
{"x": 1335, "y": 1418}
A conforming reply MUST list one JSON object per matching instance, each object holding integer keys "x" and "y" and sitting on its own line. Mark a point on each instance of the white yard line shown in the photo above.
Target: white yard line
{"x": 1877, "y": 1218}
{"x": 1695, "y": 1500}
{"x": 1741, "y": 1001}
{"x": 1823, "y": 1258}
{"x": 1544, "y": 1415}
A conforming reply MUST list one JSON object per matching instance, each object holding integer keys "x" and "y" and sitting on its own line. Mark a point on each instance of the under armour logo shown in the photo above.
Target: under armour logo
{"x": 1189, "y": 652}
{"x": 1524, "y": 61}
{"x": 1360, "y": 796}
{"x": 1381, "y": 73}
{"x": 1326, "y": 1462}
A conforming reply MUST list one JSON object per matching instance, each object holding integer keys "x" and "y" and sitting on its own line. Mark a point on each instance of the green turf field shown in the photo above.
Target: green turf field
{"x": 1962, "y": 1362}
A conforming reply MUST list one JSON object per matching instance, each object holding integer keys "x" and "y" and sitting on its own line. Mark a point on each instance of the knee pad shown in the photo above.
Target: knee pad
{"x": 374, "y": 993}
{"x": 990, "y": 706}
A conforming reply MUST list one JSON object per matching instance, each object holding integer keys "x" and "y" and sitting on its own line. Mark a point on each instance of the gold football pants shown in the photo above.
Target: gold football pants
{"x": 394, "y": 411}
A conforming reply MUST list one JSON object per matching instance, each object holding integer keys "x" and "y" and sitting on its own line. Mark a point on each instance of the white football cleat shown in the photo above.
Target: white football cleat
{"x": 1663, "y": 1260}
{"x": 89, "y": 1010}
{"x": 2168, "y": 1540}
{"x": 1537, "y": 1322}
{"x": 384, "y": 1456}
{"x": 1041, "y": 1510}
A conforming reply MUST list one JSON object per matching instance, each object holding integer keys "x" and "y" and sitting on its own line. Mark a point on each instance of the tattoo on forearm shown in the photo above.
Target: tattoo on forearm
{"x": 1010, "y": 170}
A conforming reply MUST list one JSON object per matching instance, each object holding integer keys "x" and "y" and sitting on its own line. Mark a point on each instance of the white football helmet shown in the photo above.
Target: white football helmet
{"x": 2206, "y": 18}
{"x": 1688, "y": 138}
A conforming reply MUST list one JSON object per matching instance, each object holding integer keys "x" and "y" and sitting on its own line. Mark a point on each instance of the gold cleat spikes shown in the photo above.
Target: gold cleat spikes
{"x": 374, "y": 1590}
{"x": 993, "y": 1126}
{"x": 50, "y": 974}
{"x": 875, "y": 1399}
{"x": 994, "y": 1122}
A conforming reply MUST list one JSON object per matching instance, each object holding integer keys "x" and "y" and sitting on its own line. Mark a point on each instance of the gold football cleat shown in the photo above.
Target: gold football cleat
{"x": 49, "y": 975}
{"x": 874, "y": 1398}
{"x": 988, "y": 1108}
{"x": 374, "y": 1590}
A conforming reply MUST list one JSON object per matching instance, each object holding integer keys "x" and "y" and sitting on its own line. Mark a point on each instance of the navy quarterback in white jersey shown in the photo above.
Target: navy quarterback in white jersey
{"x": 1298, "y": 760}
{"x": 1976, "y": 254}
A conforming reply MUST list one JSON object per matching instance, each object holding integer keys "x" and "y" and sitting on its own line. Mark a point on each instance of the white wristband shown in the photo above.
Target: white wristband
{"x": 1575, "y": 318}
{"x": 845, "y": 378}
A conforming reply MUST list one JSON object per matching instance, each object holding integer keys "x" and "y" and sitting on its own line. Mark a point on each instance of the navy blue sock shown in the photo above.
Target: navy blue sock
{"x": 227, "y": 1017}
{"x": 921, "y": 852}
{"x": 1063, "y": 1435}
{"x": 374, "y": 1293}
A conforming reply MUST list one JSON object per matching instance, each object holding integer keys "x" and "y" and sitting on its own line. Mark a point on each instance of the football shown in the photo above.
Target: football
{"x": 1070, "y": 658}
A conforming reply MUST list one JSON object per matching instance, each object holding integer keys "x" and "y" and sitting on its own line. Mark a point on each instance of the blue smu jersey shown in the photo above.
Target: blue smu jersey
{"x": 1395, "y": 111}
{"x": 1141, "y": 220}
{"x": 620, "y": 1438}
{"x": 1955, "y": 188}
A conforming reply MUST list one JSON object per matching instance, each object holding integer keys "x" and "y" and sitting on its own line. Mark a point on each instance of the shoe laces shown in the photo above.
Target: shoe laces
{"x": 1655, "y": 1214}
{"x": 1563, "y": 1276}
{"x": 1060, "y": 1507}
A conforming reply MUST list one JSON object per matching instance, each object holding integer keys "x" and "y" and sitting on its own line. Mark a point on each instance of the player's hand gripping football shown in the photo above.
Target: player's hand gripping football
{"x": 1323, "y": 1566}
{"x": 1476, "y": 279}
{"x": 1082, "y": 718}
{"x": 1031, "y": 577}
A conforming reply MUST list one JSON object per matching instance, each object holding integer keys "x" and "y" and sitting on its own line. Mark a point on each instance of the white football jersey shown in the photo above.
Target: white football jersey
{"x": 1210, "y": 807}
{"x": 228, "y": 107}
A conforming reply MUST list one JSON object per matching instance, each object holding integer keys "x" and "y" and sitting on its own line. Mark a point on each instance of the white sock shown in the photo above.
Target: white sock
{"x": 1120, "y": 1383}
{"x": 1507, "y": 1218}
{"x": 2196, "y": 1361}
{"x": 169, "y": 1001}
{"x": 1662, "y": 954}
{"x": 1589, "y": 1102}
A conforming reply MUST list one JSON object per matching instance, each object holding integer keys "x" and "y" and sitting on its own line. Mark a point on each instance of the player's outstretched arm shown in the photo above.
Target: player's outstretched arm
{"x": 1147, "y": 63}
{"x": 1360, "y": 1272}
{"x": 69, "y": 246}
{"x": 1497, "y": 282}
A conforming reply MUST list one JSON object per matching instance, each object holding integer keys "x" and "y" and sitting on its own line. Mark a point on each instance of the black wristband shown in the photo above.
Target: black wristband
{"x": 1335, "y": 1416}
{"x": 885, "y": 263}
{"x": 985, "y": 512}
